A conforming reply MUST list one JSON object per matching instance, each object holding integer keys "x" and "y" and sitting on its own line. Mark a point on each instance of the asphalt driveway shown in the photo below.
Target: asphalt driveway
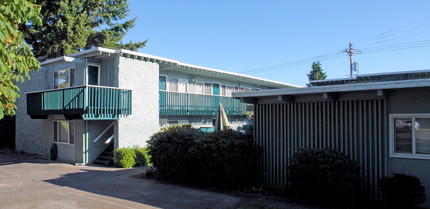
{"x": 31, "y": 182}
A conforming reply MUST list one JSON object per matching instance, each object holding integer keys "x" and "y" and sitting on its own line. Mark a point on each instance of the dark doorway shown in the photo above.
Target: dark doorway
{"x": 7, "y": 132}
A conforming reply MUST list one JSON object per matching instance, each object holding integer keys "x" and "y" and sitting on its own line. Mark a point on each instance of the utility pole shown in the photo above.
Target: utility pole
{"x": 350, "y": 51}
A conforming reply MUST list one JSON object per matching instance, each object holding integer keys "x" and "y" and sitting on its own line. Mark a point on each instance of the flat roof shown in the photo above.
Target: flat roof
{"x": 100, "y": 51}
{"x": 375, "y": 77}
{"x": 403, "y": 84}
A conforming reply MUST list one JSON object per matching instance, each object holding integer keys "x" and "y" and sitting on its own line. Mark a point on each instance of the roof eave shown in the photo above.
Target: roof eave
{"x": 338, "y": 88}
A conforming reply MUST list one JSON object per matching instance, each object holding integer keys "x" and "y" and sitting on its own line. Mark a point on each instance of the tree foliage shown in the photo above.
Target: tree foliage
{"x": 16, "y": 58}
{"x": 71, "y": 25}
{"x": 316, "y": 72}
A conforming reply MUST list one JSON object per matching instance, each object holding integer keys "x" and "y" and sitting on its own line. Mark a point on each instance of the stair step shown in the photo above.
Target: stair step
{"x": 108, "y": 153}
{"x": 101, "y": 162}
{"x": 105, "y": 157}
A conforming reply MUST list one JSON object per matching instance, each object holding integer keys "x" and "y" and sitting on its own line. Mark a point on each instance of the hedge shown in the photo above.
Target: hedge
{"x": 130, "y": 157}
{"x": 221, "y": 158}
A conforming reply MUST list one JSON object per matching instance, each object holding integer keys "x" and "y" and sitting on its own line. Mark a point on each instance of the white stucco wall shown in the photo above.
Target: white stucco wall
{"x": 142, "y": 78}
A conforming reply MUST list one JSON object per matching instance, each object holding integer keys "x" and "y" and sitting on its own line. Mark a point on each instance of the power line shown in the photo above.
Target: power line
{"x": 294, "y": 63}
{"x": 372, "y": 42}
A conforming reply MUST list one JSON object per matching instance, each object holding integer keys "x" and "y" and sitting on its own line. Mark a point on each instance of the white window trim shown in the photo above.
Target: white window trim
{"x": 203, "y": 87}
{"x": 221, "y": 88}
{"x": 98, "y": 72}
{"x": 212, "y": 88}
{"x": 68, "y": 69}
{"x": 170, "y": 122}
{"x": 167, "y": 85}
{"x": 232, "y": 90}
{"x": 68, "y": 136}
{"x": 186, "y": 85}
{"x": 391, "y": 136}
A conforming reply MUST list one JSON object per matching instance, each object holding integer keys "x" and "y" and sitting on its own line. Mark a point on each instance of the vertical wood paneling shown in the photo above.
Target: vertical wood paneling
{"x": 357, "y": 128}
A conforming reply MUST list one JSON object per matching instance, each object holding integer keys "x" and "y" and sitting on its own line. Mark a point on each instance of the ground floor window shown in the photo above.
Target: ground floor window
{"x": 410, "y": 135}
{"x": 64, "y": 132}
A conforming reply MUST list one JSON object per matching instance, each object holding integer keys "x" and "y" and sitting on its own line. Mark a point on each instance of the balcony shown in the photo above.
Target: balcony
{"x": 176, "y": 103}
{"x": 82, "y": 102}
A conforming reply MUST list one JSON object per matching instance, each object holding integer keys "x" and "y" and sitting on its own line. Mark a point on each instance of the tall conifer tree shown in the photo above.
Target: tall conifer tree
{"x": 71, "y": 25}
{"x": 316, "y": 73}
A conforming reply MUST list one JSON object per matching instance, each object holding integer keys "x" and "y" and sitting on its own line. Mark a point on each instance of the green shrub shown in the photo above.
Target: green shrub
{"x": 147, "y": 156}
{"x": 229, "y": 157}
{"x": 222, "y": 158}
{"x": 172, "y": 152}
{"x": 325, "y": 176}
{"x": 129, "y": 157}
{"x": 402, "y": 190}
{"x": 140, "y": 159}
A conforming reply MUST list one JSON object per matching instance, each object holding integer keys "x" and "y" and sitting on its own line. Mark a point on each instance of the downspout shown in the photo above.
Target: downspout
{"x": 85, "y": 141}
{"x": 85, "y": 145}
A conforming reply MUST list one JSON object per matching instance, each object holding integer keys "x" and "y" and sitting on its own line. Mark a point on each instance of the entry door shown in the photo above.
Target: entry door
{"x": 215, "y": 89}
{"x": 93, "y": 75}
{"x": 162, "y": 82}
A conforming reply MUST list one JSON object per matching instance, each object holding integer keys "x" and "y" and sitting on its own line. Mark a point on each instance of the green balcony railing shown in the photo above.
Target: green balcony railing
{"x": 176, "y": 103}
{"x": 86, "y": 102}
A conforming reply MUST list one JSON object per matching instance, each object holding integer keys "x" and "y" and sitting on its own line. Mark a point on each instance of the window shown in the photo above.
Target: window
{"x": 179, "y": 85}
{"x": 93, "y": 75}
{"x": 173, "y": 84}
{"x": 223, "y": 90}
{"x": 410, "y": 135}
{"x": 207, "y": 88}
{"x": 182, "y": 85}
{"x": 229, "y": 90}
{"x": 64, "y": 78}
{"x": 64, "y": 132}
{"x": 173, "y": 122}
{"x": 199, "y": 87}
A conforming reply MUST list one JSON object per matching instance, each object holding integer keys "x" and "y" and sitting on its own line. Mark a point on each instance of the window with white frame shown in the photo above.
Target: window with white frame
{"x": 173, "y": 84}
{"x": 182, "y": 85}
{"x": 199, "y": 87}
{"x": 229, "y": 90}
{"x": 93, "y": 75}
{"x": 410, "y": 135}
{"x": 207, "y": 88}
{"x": 223, "y": 90}
{"x": 64, "y": 132}
{"x": 64, "y": 78}
{"x": 176, "y": 84}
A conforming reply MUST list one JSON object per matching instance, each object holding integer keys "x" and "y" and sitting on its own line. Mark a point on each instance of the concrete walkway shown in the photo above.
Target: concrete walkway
{"x": 31, "y": 182}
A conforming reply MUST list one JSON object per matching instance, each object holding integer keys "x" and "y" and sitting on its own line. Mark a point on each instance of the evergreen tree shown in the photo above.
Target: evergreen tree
{"x": 316, "y": 73}
{"x": 16, "y": 58}
{"x": 71, "y": 25}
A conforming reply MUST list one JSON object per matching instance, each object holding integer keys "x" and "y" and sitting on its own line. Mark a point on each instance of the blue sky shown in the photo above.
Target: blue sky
{"x": 251, "y": 37}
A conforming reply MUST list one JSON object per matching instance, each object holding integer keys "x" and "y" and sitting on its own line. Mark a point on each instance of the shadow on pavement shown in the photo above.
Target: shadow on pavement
{"x": 120, "y": 184}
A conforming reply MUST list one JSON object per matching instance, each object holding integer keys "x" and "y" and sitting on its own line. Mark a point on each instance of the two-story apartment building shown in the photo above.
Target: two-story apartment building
{"x": 88, "y": 100}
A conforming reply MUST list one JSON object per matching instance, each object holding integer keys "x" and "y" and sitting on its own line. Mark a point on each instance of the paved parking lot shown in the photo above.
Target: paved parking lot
{"x": 31, "y": 182}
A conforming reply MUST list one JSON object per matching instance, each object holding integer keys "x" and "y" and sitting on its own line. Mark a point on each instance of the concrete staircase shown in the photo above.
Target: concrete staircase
{"x": 106, "y": 158}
